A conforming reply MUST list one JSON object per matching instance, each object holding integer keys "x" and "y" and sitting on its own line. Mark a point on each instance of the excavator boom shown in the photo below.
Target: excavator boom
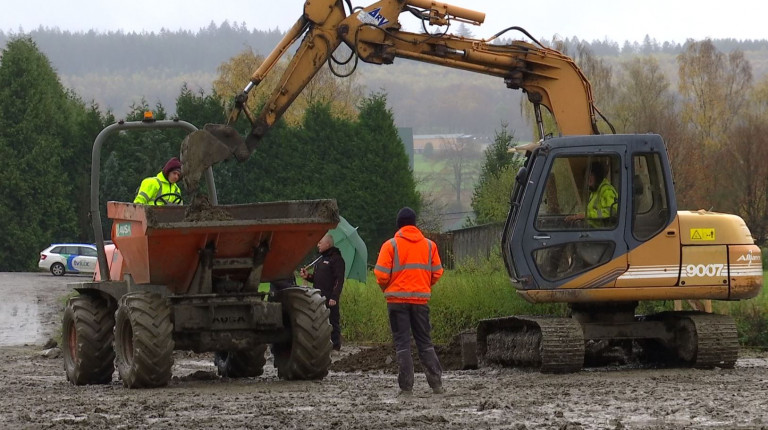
{"x": 374, "y": 35}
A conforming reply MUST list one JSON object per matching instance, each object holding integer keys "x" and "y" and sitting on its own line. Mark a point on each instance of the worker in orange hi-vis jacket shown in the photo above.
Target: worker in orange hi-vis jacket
{"x": 407, "y": 268}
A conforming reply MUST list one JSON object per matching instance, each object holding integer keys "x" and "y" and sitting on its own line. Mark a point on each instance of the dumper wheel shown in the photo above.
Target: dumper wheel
{"x": 86, "y": 340}
{"x": 144, "y": 340}
{"x": 308, "y": 354}
{"x": 241, "y": 364}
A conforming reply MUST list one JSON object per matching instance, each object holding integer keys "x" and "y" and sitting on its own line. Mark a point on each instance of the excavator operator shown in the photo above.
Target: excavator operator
{"x": 603, "y": 199}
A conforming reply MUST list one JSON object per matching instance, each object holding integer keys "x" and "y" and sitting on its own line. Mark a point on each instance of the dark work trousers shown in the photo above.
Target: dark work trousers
{"x": 335, "y": 320}
{"x": 404, "y": 319}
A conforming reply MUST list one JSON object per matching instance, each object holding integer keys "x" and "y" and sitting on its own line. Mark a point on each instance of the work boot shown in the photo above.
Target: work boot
{"x": 405, "y": 393}
{"x": 432, "y": 369}
{"x": 438, "y": 390}
{"x": 405, "y": 370}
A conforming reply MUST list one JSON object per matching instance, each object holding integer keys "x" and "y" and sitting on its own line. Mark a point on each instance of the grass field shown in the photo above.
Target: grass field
{"x": 463, "y": 297}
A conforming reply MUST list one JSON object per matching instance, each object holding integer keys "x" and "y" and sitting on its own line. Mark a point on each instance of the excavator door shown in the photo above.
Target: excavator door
{"x": 575, "y": 210}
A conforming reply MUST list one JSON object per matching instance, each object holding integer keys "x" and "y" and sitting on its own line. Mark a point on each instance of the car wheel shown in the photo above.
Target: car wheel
{"x": 58, "y": 269}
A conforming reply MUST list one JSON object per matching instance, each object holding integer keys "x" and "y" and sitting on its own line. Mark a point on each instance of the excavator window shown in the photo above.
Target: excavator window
{"x": 580, "y": 193}
{"x": 650, "y": 210}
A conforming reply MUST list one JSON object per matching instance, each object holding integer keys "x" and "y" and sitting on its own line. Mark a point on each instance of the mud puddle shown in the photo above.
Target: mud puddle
{"x": 30, "y": 306}
{"x": 19, "y": 321}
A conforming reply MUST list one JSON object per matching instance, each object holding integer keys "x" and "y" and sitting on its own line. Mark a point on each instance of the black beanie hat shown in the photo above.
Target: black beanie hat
{"x": 406, "y": 216}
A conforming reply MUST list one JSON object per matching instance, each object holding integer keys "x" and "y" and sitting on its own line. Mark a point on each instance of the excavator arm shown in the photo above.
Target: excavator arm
{"x": 373, "y": 33}
{"x": 548, "y": 77}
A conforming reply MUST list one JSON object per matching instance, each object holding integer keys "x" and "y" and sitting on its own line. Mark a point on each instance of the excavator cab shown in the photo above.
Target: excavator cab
{"x": 580, "y": 204}
{"x": 594, "y": 224}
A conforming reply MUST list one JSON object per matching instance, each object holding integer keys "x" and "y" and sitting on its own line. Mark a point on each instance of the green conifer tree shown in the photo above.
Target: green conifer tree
{"x": 37, "y": 196}
{"x": 490, "y": 199}
{"x": 389, "y": 183}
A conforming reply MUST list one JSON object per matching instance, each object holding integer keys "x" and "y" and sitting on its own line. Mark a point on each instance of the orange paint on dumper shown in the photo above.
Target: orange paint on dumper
{"x": 158, "y": 246}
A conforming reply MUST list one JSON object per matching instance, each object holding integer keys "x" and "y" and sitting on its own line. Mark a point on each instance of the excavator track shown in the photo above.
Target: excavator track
{"x": 705, "y": 340}
{"x": 551, "y": 344}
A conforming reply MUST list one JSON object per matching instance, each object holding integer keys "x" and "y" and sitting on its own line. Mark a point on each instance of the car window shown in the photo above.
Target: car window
{"x": 88, "y": 252}
{"x": 70, "y": 250}
{"x": 56, "y": 250}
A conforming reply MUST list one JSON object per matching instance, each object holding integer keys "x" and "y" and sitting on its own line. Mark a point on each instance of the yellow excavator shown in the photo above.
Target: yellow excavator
{"x": 558, "y": 246}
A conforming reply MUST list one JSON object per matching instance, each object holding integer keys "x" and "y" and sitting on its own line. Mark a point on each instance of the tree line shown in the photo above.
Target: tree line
{"x": 116, "y": 69}
{"x": 171, "y": 51}
{"x": 47, "y": 132}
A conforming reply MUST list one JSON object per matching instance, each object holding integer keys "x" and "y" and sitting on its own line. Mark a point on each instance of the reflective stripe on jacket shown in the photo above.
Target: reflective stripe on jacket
{"x": 155, "y": 186}
{"x": 407, "y": 267}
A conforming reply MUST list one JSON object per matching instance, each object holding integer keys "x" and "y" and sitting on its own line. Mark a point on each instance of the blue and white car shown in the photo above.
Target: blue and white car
{"x": 61, "y": 258}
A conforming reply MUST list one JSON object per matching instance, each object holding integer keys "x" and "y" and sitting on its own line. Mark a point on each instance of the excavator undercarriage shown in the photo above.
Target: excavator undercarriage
{"x": 597, "y": 334}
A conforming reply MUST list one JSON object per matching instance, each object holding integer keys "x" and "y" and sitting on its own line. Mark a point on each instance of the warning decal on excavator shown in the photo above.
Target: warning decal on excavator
{"x": 702, "y": 234}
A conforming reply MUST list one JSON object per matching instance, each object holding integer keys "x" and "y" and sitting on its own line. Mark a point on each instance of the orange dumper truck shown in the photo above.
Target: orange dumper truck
{"x": 180, "y": 279}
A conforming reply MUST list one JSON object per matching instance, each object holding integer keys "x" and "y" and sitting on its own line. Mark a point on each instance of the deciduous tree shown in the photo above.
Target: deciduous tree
{"x": 746, "y": 190}
{"x": 644, "y": 102}
{"x": 713, "y": 87}
{"x": 460, "y": 155}
{"x": 342, "y": 94}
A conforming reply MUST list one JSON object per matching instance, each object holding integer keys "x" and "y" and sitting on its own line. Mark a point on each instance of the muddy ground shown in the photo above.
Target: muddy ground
{"x": 359, "y": 393}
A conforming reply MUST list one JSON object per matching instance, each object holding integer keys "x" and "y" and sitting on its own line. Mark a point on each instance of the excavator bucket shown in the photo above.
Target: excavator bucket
{"x": 204, "y": 148}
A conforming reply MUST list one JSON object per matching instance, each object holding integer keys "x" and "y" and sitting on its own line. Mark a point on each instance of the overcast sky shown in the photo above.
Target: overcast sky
{"x": 617, "y": 20}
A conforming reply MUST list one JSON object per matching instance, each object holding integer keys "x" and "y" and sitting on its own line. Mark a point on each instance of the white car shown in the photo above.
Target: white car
{"x": 61, "y": 258}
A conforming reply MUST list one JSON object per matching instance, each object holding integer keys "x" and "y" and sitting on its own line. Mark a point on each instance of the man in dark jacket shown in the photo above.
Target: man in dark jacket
{"x": 328, "y": 277}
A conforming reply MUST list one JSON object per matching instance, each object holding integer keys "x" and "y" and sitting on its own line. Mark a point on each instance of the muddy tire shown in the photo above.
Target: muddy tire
{"x": 86, "y": 340}
{"x": 241, "y": 364}
{"x": 308, "y": 355}
{"x": 144, "y": 340}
